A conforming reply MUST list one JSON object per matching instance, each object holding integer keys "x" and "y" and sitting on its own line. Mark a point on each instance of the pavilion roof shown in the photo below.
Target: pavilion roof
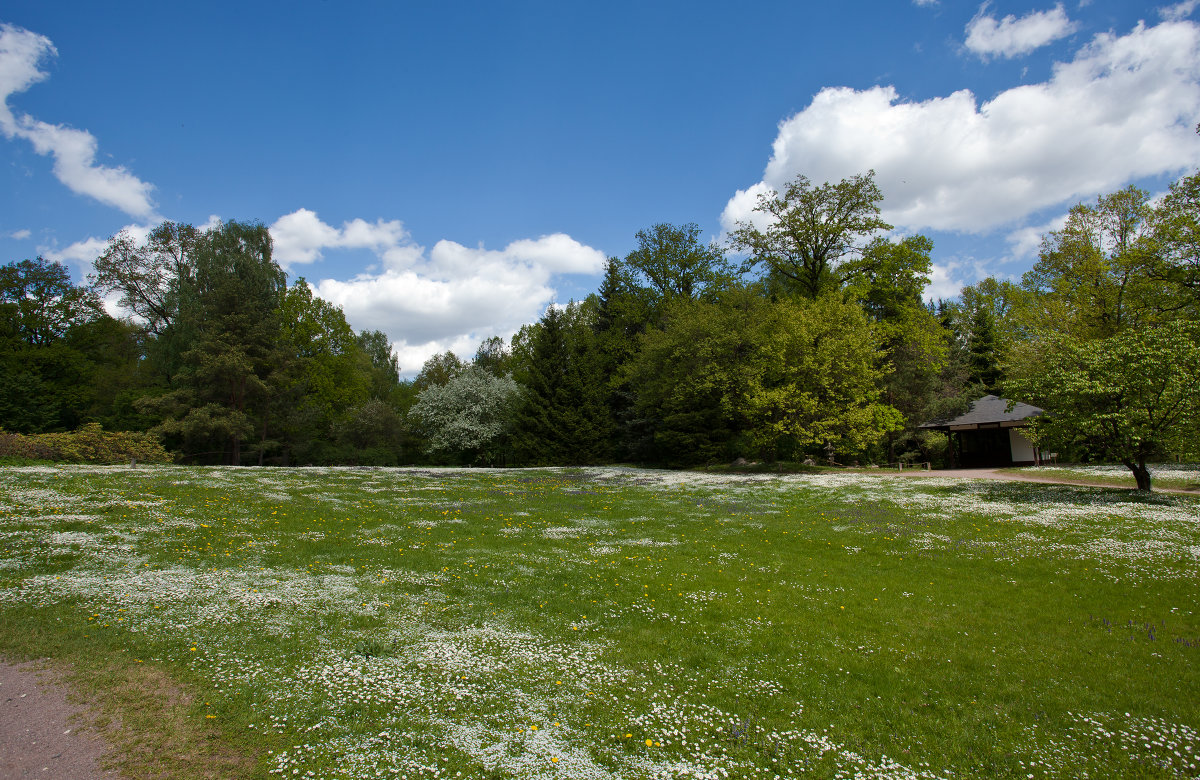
{"x": 990, "y": 411}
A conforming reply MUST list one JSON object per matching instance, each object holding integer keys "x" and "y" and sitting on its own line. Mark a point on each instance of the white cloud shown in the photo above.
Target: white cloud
{"x": 450, "y": 298}
{"x": 948, "y": 277}
{"x": 20, "y": 235}
{"x": 925, "y": 2}
{"x": 1179, "y": 11}
{"x": 73, "y": 151}
{"x": 301, "y": 236}
{"x": 944, "y": 282}
{"x": 84, "y": 253}
{"x": 1012, "y": 37}
{"x": 1026, "y": 242}
{"x": 1123, "y": 108}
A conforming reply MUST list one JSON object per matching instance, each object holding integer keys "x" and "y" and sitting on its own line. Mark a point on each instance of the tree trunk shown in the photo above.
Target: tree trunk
{"x": 1140, "y": 473}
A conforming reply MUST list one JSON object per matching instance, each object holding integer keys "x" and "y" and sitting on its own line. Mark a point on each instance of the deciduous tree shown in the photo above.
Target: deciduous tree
{"x": 1129, "y": 397}
{"x": 813, "y": 231}
{"x": 470, "y": 415}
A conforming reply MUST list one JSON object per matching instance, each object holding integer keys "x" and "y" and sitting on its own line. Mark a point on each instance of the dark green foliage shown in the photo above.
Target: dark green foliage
{"x": 40, "y": 303}
{"x": 983, "y": 351}
{"x": 494, "y": 357}
{"x": 227, "y": 336}
{"x": 384, "y": 365}
{"x": 819, "y": 345}
{"x": 438, "y": 370}
{"x": 564, "y": 417}
{"x": 62, "y": 359}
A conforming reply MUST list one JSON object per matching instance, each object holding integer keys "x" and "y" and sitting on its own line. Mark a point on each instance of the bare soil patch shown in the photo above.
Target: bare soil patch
{"x": 42, "y": 732}
{"x": 115, "y": 722}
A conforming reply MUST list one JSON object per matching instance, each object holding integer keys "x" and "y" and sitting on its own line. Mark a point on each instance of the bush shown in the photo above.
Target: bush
{"x": 89, "y": 444}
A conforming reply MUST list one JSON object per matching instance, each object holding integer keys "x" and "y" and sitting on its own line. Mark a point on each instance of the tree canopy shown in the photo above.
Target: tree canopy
{"x": 811, "y": 231}
{"x": 816, "y": 343}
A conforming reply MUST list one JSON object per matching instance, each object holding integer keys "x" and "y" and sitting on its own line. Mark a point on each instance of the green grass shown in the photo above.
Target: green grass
{"x": 1180, "y": 476}
{"x": 621, "y": 623}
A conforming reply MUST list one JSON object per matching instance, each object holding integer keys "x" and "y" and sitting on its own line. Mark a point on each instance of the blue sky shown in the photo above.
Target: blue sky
{"x": 444, "y": 171}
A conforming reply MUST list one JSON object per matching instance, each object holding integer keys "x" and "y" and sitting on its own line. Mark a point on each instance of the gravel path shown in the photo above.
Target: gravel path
{"x": 42, "y": 734}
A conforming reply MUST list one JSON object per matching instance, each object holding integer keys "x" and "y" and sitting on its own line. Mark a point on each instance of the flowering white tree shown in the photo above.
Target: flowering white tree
{"x": 472, "y": 413}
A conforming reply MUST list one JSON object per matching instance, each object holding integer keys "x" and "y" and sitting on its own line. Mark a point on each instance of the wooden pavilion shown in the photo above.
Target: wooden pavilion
{"x": 989, "y": 435}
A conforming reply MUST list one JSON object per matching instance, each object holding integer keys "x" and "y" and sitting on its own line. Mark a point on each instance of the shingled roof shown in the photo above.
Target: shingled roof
{"x": 990, "y": 411}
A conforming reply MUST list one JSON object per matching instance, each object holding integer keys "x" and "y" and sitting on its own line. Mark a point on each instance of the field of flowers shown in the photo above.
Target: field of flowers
{"x": 619, "y": 623}
{"x": 1164, "y": 475}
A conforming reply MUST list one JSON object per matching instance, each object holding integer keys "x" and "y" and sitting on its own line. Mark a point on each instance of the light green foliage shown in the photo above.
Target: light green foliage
{"x": 1093, "y": 278}
{"x": 890, "y": 277}
{"x": 672, "y": 263}
{"x": 328, "y": 358}
{"x": 816, "y": 382}
{"x": 89, "y": 444}
{"x": 472, "y": 413}
{"x": 889, "y": 282}
{"x": 1175, "y": 232}
{"x": 524, "y": 624}
{"x": 1129, "y": 397}
{"x": 815, "y": 233}
{"x": 772, "y": 379}
{"x": 1111, "y": 352}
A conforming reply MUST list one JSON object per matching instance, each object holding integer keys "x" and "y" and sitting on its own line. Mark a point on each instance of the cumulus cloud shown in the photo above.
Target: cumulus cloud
{"x": 1179, "y": 11}
{"x": 1012, "y": 37}
{"x": 20, "y": 234}
{"x": 449, "y": 298}
{"x": 84, "y": 253}
{"x": 73, "y": 151}
{"x": 1123, "y": 108}
{"x": 300, "y": 237}
{"x": 1026, "y": 241}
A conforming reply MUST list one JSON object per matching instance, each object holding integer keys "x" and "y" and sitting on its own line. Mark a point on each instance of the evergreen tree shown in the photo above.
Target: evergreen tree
{"x": 563, "y": 418}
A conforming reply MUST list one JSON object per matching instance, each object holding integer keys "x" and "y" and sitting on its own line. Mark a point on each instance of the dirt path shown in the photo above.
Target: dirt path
{"x": 43, "y": 734}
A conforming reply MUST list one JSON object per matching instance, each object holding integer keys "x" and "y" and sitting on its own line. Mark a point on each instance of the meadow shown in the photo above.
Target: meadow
{"x": 619, "y": 623}
{"x": 1180, "y": 476}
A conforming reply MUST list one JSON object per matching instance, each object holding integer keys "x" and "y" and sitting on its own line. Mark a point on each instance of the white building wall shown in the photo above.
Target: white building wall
{"x": 1022, "y": 448}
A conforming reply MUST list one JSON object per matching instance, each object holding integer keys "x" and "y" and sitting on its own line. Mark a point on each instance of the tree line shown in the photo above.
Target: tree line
{"x": 816, "y": 344}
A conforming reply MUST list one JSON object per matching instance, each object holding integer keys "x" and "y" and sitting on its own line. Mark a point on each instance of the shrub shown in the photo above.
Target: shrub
{"x": 88, "y": 444}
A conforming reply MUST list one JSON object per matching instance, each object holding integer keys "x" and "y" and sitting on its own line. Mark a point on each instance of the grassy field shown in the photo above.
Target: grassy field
{"x": 1185, "y": 476}
{"x": 610, "y": 623}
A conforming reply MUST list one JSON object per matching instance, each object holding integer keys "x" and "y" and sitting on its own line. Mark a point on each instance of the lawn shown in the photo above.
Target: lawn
{"x": 1184, "y": 476}
{"x": 618, "y": 623}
